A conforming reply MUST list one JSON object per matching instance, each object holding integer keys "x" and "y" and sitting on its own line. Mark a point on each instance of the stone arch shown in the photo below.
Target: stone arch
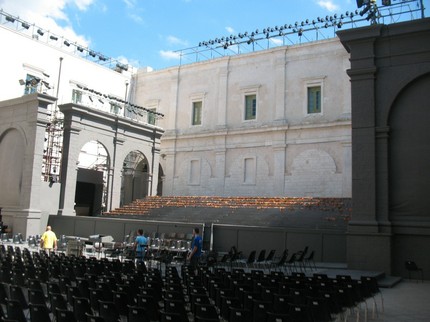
{"x": 313, "y": 161}
{"x": 12, "y": 156}
{"x": 92, "y": 179}
{"x": 313, "y": 173}
{"x": 409, "y": 151}
{"x": 135, "y": 177}
{"x": 118, "y": 135}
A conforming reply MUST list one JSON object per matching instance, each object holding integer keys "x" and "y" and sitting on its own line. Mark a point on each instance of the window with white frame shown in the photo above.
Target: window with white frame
{"x": 77, "y": 96}
{"x": 114, "y": 108}
{"x": 197, "y": 113}
{"x": 314, "y": 99}
{"x": 151, "y": 116}
{"x": 250, "y": 107}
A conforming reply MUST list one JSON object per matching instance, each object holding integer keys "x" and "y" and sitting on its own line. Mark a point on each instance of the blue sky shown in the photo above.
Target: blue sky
{"x": 149, "y": 32}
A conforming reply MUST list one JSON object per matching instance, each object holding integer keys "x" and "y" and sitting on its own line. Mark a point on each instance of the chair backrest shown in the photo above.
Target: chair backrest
{"x": 411, "y": 266}
{"x": 39, "y": 313}
{"x": 64, "y": 315}
{"x": 15, "y": 311}
{"x": 16, "y": 293}
{"x": 271, "y": 255}
{"x": 261, "y": 256}
{"x": 81, "y": 306}
{"x": 251, "y": 257}
{"x": 108, "y": 311}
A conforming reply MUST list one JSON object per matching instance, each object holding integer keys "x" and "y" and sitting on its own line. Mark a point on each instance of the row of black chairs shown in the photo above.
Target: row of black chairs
{"x": 302, "y": 260}
{"x": 88, "y": 289}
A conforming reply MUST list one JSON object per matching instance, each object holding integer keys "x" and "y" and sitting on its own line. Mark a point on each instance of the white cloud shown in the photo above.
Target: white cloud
{"x": 230, "y": 30}
{"x": 169, "y": 55}
{"x": 277, "y": 41}
{"x": 176, "y": 41}
{"x": 124, "y": 60}
{"x": 47, "y": 14}
{"x": 130, "y": 3}
{"x": 136, "y": 18}
{"x": 328, "y": 4}
{"x": 83, "y": 4}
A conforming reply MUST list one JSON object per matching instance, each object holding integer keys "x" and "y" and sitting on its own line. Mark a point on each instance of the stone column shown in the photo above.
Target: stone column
{"x": 369, "y": 246}
{"x": 69, "y": 169}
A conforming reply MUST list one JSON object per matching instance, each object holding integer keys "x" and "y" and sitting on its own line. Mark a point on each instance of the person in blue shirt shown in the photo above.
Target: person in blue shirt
{"x": 140, "y": 245}
{"x": 196, "y": 249}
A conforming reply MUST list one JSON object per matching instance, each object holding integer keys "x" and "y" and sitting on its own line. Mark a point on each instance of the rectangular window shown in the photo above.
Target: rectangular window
{"x": 250, "y": 107}
{"x": 76, "y": 96}
{"x": 314, "y": 99}
{"x": 31, "y": 83}
{"x": 249, "y": 171}
{"x": 194, "y": 172}
{"x": 197, "y": 113}
{"x": 114, "y": 108}
{"x": 151, "y": 116}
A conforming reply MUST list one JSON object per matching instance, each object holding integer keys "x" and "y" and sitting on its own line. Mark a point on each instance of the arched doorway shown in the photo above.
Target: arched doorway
{"x": 160, "y": 181}
{"x": 135, "y": 177}
{"x": 91, "y": 183}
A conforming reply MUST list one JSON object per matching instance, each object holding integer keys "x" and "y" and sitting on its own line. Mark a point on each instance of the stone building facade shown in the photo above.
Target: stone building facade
{"x": 270, "y": 123}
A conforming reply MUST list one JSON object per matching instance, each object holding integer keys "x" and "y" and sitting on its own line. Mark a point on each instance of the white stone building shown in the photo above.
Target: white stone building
{"x": 274, "y": 122}
{"x": 270, "y": 123}
{"x": 71, "y": 143}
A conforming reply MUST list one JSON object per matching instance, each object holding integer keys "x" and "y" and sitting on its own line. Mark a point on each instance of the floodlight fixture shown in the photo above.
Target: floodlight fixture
{"x": 52, "y": 37}
{"x": 25, "y": 25}
{"x": 66, "y": 43}
{"x": 40, "y": 32}
{"x": 10, "y": 19}
{"x": 360, "y": 3}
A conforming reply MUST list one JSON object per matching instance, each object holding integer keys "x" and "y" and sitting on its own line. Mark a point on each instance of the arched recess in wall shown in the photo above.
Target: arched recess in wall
{"x": 134, "y": 177}
{"x": 92, "y": 180}
{"x": 160, "y": 180}
{"x": 12, "y": 151}
{"x": 409, "y": 151}
{"x": 313, "y": 174}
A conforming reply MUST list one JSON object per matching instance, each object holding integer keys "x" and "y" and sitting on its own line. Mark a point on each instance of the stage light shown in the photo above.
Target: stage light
{"x": 25, "y": 25}
{"x": 386, "y": 2}
{"x": 79, "y": 48}
{"x": 360, "y": 3}
{"x": 40, "y": 32}
{"x": 92, "y": 54}
{"x": 53, "y": 37}
{"x": 10, "y": 19}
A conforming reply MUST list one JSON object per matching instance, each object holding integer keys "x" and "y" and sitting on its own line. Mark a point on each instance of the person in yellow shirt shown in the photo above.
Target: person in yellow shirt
{"x": 48, "y": 241}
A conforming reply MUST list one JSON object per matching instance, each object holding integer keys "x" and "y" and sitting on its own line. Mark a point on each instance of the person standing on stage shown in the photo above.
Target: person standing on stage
{"x": 196, "y": 249}
{"x": 140, "y": 245}
{"x": 48, "y": 241}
